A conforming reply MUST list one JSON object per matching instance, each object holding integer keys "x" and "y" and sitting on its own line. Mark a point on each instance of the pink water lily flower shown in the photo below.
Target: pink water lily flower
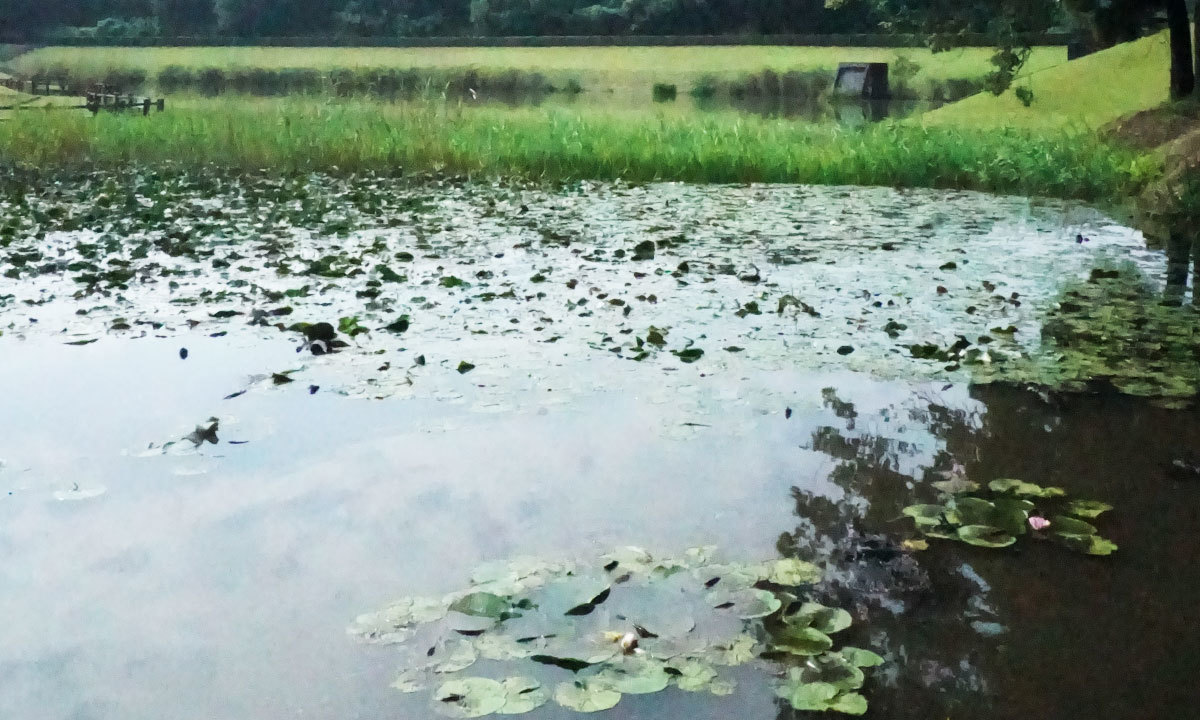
{"x": 1037, "y": 522}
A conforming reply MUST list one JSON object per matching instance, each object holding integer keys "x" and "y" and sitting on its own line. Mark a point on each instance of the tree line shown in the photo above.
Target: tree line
{"x": 416, "y": 18}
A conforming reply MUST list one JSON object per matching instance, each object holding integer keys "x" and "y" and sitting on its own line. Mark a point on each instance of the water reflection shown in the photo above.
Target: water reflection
{"x": 1035, "y": 631}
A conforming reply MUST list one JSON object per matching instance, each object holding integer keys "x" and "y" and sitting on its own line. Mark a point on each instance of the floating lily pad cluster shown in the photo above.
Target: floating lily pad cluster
{"x": 1013, "y": 509}
{"x": 528, "y": 632}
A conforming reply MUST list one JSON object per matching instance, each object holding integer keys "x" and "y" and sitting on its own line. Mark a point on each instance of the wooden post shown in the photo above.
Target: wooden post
{"x": 162, "y": 104}
{"x": 145, "y": 107}
{"x": 1196, "y": 270}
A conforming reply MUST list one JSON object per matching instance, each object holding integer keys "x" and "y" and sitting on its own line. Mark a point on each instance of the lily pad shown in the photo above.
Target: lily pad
{"x": 586, "y": 697}
{"x": 522, "y": 695}
{"x": 738, "y": 652}
{"x": 985, "y": 536}
{"x": 635, "y": 676}
{"x": 804, "y": 641}
{"x": 807, "y": 696}
{"x": 1063, "y": 525}
{"x": 849, "y": 704}
{"x": 859, "y": 657}
{"x": 469, "y": 698}
{"x": 1020, "y": 487}
{"x": 694, "y": 676}
{"x": 825, "y": 619}
{"x": 1088, "y": 508}
{"x": 792, "y": 572}
{"x": 956, "y": 486}
{"x": 748, "y": 604}
{"x": 1088, "y": 544}
{"x": 482, "y": 604}
{"x": 455, "y": 656}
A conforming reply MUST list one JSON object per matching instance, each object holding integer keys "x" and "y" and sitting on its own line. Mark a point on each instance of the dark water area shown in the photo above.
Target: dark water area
{"x": 221, "y": 579}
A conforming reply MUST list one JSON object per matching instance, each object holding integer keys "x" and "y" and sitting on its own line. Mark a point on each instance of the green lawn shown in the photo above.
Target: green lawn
{"x": 1085, "y": 94}
{"x": 597, "y": 68}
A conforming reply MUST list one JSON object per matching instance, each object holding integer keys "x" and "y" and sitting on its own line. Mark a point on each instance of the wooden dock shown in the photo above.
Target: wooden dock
{"x": 95, "y": 99}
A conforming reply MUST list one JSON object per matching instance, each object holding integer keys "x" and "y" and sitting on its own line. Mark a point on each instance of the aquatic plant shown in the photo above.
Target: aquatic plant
{"x": 1013, "y": 509}
{"x": 628, "y": 624}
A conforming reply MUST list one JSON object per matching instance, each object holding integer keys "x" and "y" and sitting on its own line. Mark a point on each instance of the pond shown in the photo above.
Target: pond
{"x": 197, "y": 501}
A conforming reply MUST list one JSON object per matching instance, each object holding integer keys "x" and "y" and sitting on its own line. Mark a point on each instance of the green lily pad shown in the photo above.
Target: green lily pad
{"x": 455, "y": 656}
{"x": 522, "y": 695}
{"x": 1088, "y": 544}
{"x": 985, "y": 536}
{"x": 469, "y": 698}
{"x": 694, "y": 676}
{"x": 586, "y": 697}
{"x": 859, "y": 657}
{"x": 792, "y": 572}
{"x": 738, "y": 652}
{"x": 849, "y": 704}
{"x": 807, "y": 696}
{"x": 748, "y": 604}
{"x": 1020, "y": 487}
{"x": 805, "y": 641}
{"x": 635, "y": 676}
{"x": 970, "y": 511}
{"x": 1088, "y": 508}
{"x": 926, "y": 514}
{"x": 825, "y": 619}
{"x": 482, "y": 604}
{"x": 498, "y": 646}
{"x": 1063, "y": 525}
{"x": 956, "y": 486}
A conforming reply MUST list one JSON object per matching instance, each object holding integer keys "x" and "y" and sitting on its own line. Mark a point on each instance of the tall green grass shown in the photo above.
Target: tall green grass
{"x": 301, "y": 134}
{"x": 593, "y": 67}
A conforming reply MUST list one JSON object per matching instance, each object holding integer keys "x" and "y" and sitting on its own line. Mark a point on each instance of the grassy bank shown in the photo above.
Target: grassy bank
{"x": 300, "y": 134}
{"x": 601, "y": 68}
{"x": 1084, "y": 94}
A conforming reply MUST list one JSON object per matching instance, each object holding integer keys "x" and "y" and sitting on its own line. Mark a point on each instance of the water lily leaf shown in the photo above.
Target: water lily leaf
{"x": 802, "y": 641}
{"x": 694, "y": 676}
{"x": 825, "y": 619}
{"x": 970, "y": 511}
{"x": 807, "y": 696}
{"x": 482, "y": 604}
{"x": 926, "y": 514}
{"x": 956, "y": 486}
{"x": 849, "y": 703}
{"x": 493, "y": 646}
{"x": 748, "y": 604}
{"x": 859, "y": 657}
{"x": 834, "y": 669}
{"x": 456, "y": 655}
{"x": 722, "y": 687}
{"x": 792, "y": 572}
{"x": 522, "y": 695}
{"x": 1020, "y": 487}
{"x": 426, "y": 610}
{"x": 635, "y": 676}
{"x": 738, "y": 652}
{"x": 1063, "y": 525}
{"x": 1088, "y": 508}
{"x": 411, "y": 681}
{"x": 985, "y": 536}
{"x": 1088, "y": 544}
{"x": 915, "y": 545}
{"x": 582, "y": 696}
{"x": 469, "y": 698}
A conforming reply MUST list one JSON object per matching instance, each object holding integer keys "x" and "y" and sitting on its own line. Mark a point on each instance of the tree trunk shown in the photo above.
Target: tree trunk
{"x": 1183, "y": 77}
{"x": 1179, "y": 249}
{"x": 1196, "y": 43}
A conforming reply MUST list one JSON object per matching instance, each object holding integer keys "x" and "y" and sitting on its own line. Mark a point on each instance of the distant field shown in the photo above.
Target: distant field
{"x": 1087, "y": 93}
{"x": 595, "y": 68}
